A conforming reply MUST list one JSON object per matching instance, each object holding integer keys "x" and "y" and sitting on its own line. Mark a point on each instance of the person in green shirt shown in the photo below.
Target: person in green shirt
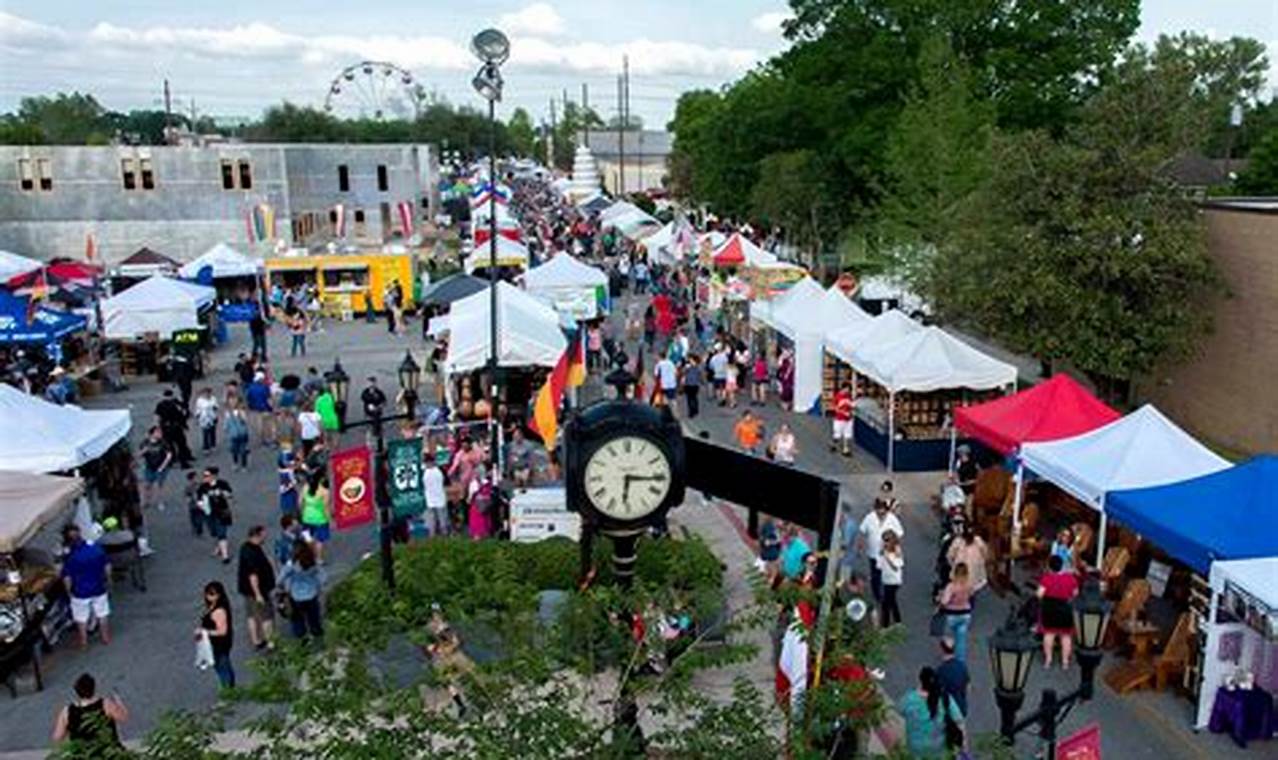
{"x": 315, "y": 514}
{"x": 326, "y": 408}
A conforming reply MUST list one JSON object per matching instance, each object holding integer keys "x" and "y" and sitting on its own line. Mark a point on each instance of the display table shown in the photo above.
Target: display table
{"x": 910, "y": 455}
{"x": 1245, "y": 714}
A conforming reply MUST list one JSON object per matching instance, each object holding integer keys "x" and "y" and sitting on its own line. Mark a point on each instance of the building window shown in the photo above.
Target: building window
{"x": 360, "y": 228}
{"x": 148, "y": 176}
{"x": 332, "y": 217}
{"x": 383, "y": 181}
{"x": 25, "y": 177}
{"x": 359, "y": 216}
{"x": 246, "y": 176}
{"x": 228, "y": 175}
{"x": 343, "y": 178}
{"x": 128, "y": 174}
{"x": 45, "y": 171}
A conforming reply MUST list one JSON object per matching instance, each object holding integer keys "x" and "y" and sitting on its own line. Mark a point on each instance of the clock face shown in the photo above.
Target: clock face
{"x": 627, "y": 478}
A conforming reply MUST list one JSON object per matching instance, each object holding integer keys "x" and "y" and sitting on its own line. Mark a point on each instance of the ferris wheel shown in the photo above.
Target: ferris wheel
{"x": 373, "y": 90}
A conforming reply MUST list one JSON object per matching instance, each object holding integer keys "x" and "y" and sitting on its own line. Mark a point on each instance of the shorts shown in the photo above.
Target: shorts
{"x": 842, "y": 430}
{"x": 154, "y": 477}
{"x": 319, "y": 533}
{"x": 217, "y": 529}
{"x": 262, "y": 612}
{"x": 99, "y": 606}
{"x": 718, "y": 384}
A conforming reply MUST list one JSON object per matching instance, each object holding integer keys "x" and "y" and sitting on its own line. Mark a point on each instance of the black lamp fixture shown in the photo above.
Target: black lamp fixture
{"x": 410, "y": 375}
{"x": 493, "y": 48}
{"x": 1012, "y": 653}
{"x": 339, "y": 385}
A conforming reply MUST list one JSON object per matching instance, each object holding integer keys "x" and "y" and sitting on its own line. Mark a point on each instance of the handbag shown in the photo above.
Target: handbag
{"x": 283, "y": 604}
{"x": 203, "y": 651}
{"x": 937, "y": 625}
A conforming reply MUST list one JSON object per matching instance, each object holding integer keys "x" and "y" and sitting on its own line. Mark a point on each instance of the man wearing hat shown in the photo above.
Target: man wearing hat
{"x": 61, "y": 390}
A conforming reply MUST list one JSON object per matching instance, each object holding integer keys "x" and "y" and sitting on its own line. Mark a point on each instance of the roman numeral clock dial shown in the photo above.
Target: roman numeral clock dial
{"x": 627, "y": 478}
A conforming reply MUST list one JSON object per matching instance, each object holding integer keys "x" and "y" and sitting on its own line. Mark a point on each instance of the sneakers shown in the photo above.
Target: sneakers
{"x": 144, "y": 547}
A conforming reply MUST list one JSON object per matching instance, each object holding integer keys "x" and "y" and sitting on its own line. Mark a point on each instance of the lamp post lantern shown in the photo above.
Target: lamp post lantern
{"x": 493, "y": 48}
{"x": 1012, "y": 653}
{"x": 339, "y": 384}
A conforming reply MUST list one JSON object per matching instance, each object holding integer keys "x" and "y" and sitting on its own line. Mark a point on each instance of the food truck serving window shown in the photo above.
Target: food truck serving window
{"x": 335, "y": 277}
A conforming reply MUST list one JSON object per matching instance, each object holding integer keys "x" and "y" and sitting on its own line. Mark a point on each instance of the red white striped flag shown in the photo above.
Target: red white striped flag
{"x": 792, "y": 667}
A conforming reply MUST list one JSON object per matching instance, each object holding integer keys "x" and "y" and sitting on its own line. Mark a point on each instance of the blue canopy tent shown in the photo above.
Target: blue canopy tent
{"x": 1230, "y": 514}
{"x": 42, "y": 326}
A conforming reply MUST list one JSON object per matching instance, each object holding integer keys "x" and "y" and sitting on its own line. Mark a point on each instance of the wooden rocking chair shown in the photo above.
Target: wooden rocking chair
{"x": 1113, "y": 568}
{"x": 1174, "y": 659}
{"x": 1127, "y": 611}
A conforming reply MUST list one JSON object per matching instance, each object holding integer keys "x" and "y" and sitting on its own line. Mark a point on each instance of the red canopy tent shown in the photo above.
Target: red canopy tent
{"x": 732, "y": 254}
{"x": 1058, "y": 408}
{"x": 510, "y": 233}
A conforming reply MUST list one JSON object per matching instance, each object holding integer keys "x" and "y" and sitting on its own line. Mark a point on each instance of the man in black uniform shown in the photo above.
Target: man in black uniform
{"x": 374, "y": 401}
{"x": 172, "y": 416}
{"x": 257, "y": 329}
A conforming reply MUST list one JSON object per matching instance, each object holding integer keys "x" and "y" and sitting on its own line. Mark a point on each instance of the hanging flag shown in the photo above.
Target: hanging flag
{"x": 406, "y": 218}
{"x": 339, "y": 225}
{"x": 248, "y": 226}
{"x": 792, "y": 666}
{"x": 90, "y": 247}
{"x": 352, "y": 492}
{"x": 569, "y": 372}
{"x": 405, "y": 481}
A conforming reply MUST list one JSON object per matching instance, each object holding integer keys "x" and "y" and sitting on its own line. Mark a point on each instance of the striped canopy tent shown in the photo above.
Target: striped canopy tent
{"x": 739, "y": 250}
{"x": 13, "y": 265}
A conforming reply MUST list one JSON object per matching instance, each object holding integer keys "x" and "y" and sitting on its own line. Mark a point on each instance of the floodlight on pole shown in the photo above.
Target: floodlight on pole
{"x": 490, "y": 46}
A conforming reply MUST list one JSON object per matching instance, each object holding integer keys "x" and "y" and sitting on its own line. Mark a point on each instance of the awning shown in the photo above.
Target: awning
{"x": 888, "y": 327}
{"x": 44, "y": 437}
{"x": 1058, "y": 408}
{"x": 528, "y": 331}
{"x": 1231, "y": 513}
{"x": 156, "y": 305}
{"x": 928, "y": 360}
{"x": 12, "y": 265}
{"x": 29, "y": 501}
{"x": 453, "y": 288}
{"x": 223, "y": 261}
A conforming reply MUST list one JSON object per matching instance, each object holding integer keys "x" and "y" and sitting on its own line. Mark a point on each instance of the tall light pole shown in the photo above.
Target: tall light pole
{"x": 493, "y": 48}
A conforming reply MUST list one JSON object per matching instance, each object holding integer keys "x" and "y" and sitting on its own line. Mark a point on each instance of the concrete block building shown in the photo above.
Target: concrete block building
{"x": 644, "y": 151}
{"x": 182, "y": 200}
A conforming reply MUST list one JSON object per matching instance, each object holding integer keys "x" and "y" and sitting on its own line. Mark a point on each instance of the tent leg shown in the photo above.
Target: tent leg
{"x": 1100, "y": 538}
{"x": 1016, "y": 498}
{"x": 891, "y": 442}
{"x": 1205, "y": 699}
{"x": 953, "y": 444}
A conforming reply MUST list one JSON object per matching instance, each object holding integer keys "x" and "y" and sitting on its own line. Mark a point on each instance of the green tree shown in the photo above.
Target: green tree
{"x": 66, "y": 118}
{"x": 791, "y": 193}
{"x": 16, "y": 131}
{"x": 938, "y": 156}
{"x": 1221, "y": 74}
{"x": 1261, "y": 175}
{"x": 521, "y": 132}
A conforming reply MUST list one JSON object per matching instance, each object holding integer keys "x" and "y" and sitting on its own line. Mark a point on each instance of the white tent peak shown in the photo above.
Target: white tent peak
{"x": 529, "y": 333}
{"x": 13, "y": 265}
{"x": 930, "y": 359}
{"x": 158, "y": 304}
{"x": 225, "y": 261}
{"x": 44, "y": 437}
{"x": 562, "y": 270}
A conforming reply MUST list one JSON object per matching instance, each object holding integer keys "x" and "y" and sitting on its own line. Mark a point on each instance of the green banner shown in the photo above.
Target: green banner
{"x": 404, "y": 462}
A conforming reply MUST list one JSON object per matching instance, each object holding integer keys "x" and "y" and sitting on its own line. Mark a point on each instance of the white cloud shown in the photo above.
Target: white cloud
{"x": 536, "y": 19}
{"x": 17, "y": 32}
{"x": 770, "y": 23}
{"x": 646, "y": 57}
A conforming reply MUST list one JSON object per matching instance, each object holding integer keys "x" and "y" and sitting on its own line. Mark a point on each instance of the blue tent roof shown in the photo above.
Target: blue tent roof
{"x": 44, "y": 326}
{"x": 1231, "y": 514}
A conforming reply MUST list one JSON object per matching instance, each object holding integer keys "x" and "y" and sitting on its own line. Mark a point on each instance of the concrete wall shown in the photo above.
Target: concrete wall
{"x": 1228, "y": 392}
{"x": 188, "y": 210}
{"x": 650, "y": 174}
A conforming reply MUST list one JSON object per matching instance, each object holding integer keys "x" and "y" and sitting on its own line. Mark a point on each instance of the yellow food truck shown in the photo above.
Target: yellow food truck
{"x": 346, "y": 280}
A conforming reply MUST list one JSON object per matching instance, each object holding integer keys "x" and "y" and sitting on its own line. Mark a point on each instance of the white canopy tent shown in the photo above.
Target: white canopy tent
{"x": 764, "y": 311}
{"x": 528, "y": 331}
{"x": 568, "y": 286}
{"x": 1258, "y": 580}
{"x": 29, "y": 501}
{"x": 44, "y": 437}
{"x": 225, "y": 261}
{"x": 927, "y": 360}
{"x": 509, "y": 254}
{"x": 155, "y": 305}
{"x": 617, "y": 210}
{"x": 890, "y": 326}
{"x": 1137, "y": 451}
{"x": 13, "y": 265}
{"x": 636, "y": 225}
{"x": 805, "y": 316}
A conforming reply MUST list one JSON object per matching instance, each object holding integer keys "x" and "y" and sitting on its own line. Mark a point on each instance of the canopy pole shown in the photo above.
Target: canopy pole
{"x": 1205, "y": 700}
{"x": 1100, "y": 539}
{"x": 953, "y": 443}
{"x": 1016, "y": 498}
{"x": 891, "y": 442}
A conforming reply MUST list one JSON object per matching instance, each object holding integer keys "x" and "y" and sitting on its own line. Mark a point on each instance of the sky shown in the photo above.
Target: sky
{"x": 233, "y": 58}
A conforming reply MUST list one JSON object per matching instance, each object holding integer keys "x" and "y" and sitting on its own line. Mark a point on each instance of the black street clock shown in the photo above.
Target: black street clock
{"x": 624, "y": 464}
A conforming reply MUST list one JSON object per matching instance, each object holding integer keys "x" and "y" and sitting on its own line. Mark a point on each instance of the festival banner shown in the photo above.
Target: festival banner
{"x": 1083, "y": 745}
{"x": 352, "y": 488}
{"x": 404, "y": 461}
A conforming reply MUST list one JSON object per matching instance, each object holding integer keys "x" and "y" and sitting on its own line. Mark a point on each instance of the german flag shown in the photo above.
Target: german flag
{"x": 569, "y": 372}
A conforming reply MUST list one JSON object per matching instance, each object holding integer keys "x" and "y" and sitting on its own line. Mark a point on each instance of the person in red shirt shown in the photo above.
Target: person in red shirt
{"x": 1056, "y": 590}
{"x": 842, "y": 426}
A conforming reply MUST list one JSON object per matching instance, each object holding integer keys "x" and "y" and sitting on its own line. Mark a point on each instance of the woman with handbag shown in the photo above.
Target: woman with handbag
{"x": 303, "y": 579}
{"x": 955, "y": 602}
{"x": 933, "y": 722}
{"x": 215, "y": 623}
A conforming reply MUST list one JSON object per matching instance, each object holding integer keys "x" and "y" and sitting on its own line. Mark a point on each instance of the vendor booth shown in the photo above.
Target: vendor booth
{"x": 20, "y": 324}
{"x": 577, "y": 291}
{"x": 885, "y": 328}
{"x": 1224, "y": 525}
{"x": 144, "y": 263}
{"x": 1137, "y": 451}
{"x": 1058, "y": 408}
{"x": 509, "y": 254}
{"x": 44, "y": 437}
{"x": 452, "y": 288}
{"x": 13, "y": 265}
{"x": 344, "y": 282}
{"x": 33, "y": 600}
{"x": 671, "y": 243}
{"x": 907, "y": 390}
{"x": 158, "y": 306}
{"x": 224, "y": 262}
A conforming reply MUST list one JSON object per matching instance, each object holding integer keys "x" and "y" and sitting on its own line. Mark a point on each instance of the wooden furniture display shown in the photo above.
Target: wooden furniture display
{"x": 1175, "y": 657}
{"x": 1112, "y": 569}
{"x": 1127, "y": 611}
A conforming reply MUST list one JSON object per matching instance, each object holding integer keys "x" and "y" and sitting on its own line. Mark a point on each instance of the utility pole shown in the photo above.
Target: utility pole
{"x": 553, "y": 128}
{"x": 585, "y": 114}
{"x": 168, "y": 114}
{"x": 621, "y": 135}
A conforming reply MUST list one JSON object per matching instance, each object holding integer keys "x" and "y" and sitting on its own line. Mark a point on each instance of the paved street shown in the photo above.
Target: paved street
{"x": 149, "y": 662}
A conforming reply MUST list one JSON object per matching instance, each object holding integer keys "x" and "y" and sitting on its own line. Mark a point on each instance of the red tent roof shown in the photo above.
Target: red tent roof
{"x": 731, "y": 254}
{"x": 1058, "y": 408}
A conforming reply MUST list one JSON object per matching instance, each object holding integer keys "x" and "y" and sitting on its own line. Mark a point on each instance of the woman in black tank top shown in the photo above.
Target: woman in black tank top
{"x": 90, "y": 721}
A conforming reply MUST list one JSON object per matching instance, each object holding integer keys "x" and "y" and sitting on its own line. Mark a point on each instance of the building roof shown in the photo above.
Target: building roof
{"x": 1254, "y": 205}
{"x": 1196, "y": 170}
{"x": 647, "y": 142}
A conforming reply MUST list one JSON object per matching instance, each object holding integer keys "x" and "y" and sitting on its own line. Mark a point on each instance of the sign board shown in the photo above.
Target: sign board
{"x": 1083, "y": 745}
{"x": 404, "y": 462}
{"x": 187, "y": 342}
{"x": 352, "y": 484}
{"x": 540, "y": 513}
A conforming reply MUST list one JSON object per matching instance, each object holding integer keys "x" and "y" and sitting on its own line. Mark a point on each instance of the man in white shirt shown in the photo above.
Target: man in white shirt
{"x": 436, "y": 498}
{"x": 719, "y": 369}
{"x": 870, "y": 540}
{"x": 667, "y": 377}
{"x": 310, "y": 428}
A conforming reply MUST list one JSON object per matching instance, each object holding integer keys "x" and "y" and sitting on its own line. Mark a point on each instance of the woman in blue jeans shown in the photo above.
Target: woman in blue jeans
{"x": 216, "y": 624}
{"x": 303, "y": 579}
{"x": 956, "y": 604}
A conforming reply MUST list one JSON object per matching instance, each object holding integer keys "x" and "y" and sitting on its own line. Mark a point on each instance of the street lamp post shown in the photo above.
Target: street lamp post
{"x": 1012, "y": 653}
{"x": 493, "y": 48}
{"x": 339, "y": 385}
